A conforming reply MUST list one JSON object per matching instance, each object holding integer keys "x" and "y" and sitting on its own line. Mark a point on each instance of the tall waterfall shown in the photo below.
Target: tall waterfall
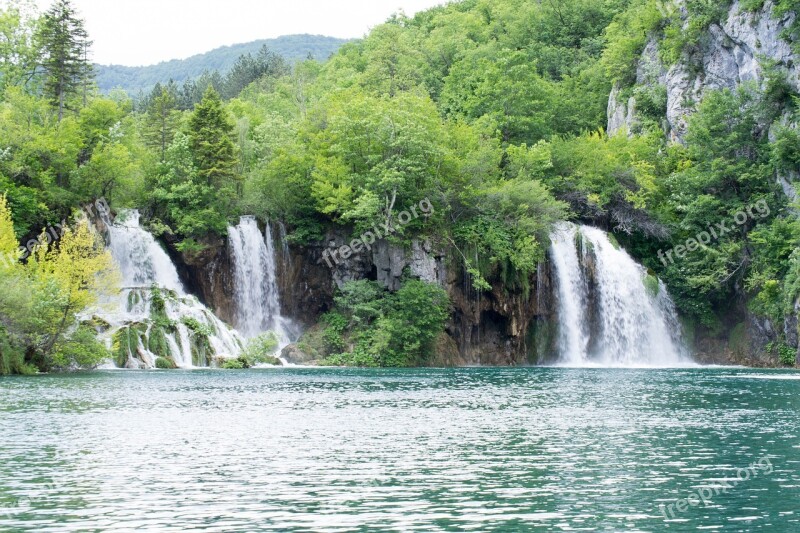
{"x": 572, "y": 292}
{"x": 154, "y": 316}
{"x": 610, "y": 311}
{"x": 258, "y": 306}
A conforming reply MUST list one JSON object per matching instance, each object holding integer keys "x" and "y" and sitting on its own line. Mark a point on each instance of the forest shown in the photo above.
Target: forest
{"x": 134, "y": 79}
{"x": 495, "y": 111}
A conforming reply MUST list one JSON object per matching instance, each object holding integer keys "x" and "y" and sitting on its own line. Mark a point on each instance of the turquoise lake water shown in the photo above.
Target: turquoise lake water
{"x": 541, "y": 449}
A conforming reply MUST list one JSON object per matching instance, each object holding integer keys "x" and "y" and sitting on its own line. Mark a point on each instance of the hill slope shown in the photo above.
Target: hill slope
{"x": 291, "y": 47}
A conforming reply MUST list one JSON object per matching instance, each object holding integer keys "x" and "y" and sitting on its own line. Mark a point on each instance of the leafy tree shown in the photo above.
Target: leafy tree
{"x": 80, "y": 269}
{"x": 499, "y": 86}
{"x": 725, "y": 169}
{"x": 19, "y": 53}
{"x": 180, "y": 198}
{"x": 392, "y": 61}
{"x": 375, "y": 156}
{"x": 387, "y": 329}
{"x": 38, "y": 159}
{"x": 40, "y": 301}
{"x": 417, "y": 314}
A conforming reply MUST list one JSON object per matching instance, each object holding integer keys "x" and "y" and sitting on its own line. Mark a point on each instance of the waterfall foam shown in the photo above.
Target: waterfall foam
{"x": 608, "y": 315}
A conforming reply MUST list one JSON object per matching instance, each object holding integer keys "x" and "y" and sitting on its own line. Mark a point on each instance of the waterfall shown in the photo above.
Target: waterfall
{"x": 154, "y": 316}
{"x": 258, "y": 307}
{"x": 573, "y": 337}
{"x": 611, "y": 311}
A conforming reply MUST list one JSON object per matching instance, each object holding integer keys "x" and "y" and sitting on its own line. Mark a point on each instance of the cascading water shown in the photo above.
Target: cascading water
{"x": 610, "y": 311}
{"x": 154, "y": 316}
{"x": 573, "y": 338}
{"x": 258, "y": 307}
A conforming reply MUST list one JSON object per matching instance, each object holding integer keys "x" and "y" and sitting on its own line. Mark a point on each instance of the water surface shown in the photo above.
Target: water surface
{"x": 544, "y": 449}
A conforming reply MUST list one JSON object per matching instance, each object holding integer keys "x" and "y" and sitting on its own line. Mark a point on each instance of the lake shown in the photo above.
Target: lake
{"x": 522, "y": 449}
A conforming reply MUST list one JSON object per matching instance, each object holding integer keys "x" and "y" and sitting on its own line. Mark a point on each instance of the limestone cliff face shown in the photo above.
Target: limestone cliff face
{"x": 497, "y": 327}
{"x": 729, "y": 54}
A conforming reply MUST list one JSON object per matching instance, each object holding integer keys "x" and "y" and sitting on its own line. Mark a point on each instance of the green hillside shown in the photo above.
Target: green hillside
{"x": 134, "y": 79}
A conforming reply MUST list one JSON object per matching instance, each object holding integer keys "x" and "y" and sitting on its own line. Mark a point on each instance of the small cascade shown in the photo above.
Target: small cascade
{"x": 154, "y": 317}
{"x": 611, "y": 311}
{"x": 286, "y": 257}
{"x": 258, "y": 307}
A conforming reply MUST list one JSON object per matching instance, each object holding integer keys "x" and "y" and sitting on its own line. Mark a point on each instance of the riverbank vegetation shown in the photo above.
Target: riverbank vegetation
{"x": 495, "y": 111}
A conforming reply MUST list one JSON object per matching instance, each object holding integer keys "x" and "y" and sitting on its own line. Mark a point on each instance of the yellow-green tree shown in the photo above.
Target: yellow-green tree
{"x": 41, "y": 301}
{"x": 81, "y": 270}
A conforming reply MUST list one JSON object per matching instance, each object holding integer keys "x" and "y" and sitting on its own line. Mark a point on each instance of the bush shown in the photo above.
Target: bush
{"x": 165, "y": 364}
{"x": 651, "y": 101}
{"x": 393, "y": 330}
{"x": 233, "y": 364}
{"x": 196, "y": 326}
{"x": 787, "y": 355}
{"x": 332, "y": 334}
{"x": 261, "y": 350}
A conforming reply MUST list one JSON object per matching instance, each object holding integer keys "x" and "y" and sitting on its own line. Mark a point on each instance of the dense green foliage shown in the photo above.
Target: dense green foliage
{"x": 492, "y": 112}
{"x": 373, "y": 327}
{"x": 261, "y": 350}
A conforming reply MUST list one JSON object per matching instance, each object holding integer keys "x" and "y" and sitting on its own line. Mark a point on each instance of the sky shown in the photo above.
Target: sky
{"x": 144, "y": 32}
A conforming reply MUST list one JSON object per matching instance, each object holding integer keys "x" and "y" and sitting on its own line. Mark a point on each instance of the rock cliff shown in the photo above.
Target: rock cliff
{"x": 730, "y": 53}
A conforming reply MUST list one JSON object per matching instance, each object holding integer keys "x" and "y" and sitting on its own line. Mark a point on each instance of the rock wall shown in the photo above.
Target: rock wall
{"x": 208, "y": 275}
{"x": 489, "y": 328}
{"x": 497, "y": 327}
{"x": 728, "y": 55}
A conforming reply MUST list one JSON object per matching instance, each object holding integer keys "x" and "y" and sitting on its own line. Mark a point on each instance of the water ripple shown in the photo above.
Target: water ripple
{"x": 414, "y": 450}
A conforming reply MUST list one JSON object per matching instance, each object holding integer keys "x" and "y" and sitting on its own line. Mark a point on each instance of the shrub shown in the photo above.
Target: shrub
{"x": 195, "y": 326}
{"x": 164, "y": 363}
{"x": 394, "y": 330}
{"x": 233, "y": 364}
{"x": 332, "y": 334}
{"x": 787, "y": 355}
{"x": 651, "y": 101}
{"x": 261, "y": 350}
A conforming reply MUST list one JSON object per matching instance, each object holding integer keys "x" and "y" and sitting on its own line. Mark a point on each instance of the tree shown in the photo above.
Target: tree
{"x": 65, "y": 45}
{"x": 18, "y": 50}
{"x": 76, "y": 271}
{"x": 40, "y": 301}
{"x": 376, "y": 155}
{"x": 13, "y": 301}
{"x": 248, "y": 69}
{"x": 387, "y": 329}
{"x": 40, "y": 156}
{"x": 210, "y": 129}
{"x": 161, "y": 118}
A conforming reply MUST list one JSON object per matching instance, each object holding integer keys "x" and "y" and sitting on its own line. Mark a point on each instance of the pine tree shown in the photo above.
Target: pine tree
{"x": 248, "y": 69}
{"x": 214, "y": 153}
{"x": 65, "y": 44}
{"x": 161, "y": 118}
